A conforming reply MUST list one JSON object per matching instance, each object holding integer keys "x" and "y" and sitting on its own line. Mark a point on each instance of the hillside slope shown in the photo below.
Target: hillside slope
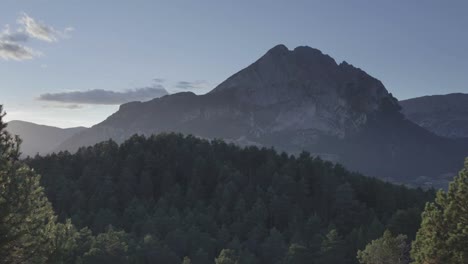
{"x": 40, "y": 139}
{"x": 444, "y": 115}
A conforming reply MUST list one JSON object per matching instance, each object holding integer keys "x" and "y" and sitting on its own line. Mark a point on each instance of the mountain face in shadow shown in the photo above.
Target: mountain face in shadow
{"x": 40, "y": 139}
{"x": 444, "y": 115}
{"x": 296, "y": 100}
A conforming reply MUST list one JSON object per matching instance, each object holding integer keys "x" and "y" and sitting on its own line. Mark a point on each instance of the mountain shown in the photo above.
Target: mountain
{"x": 444, "y": 115}
{"x": 297, "y": 100}
{"x": 39, "y": 138}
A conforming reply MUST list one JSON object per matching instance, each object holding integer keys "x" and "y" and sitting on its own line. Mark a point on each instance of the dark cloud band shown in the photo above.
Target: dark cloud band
{"x": 105, "y": 97}
{"x": 185, "y": 85}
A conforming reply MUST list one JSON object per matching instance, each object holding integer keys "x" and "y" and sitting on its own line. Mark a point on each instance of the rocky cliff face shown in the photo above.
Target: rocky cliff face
{"x": 306, "y": 90}
{"x": 444, "y": 115}
{"x": 294, "y": 100}
{"x": 300, "y": 91}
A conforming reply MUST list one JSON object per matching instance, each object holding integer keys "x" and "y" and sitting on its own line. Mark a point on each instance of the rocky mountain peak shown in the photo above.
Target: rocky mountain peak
{"x": 278, "y": 50}
{"x": 294, "y": 100}
{"x": 304, "y": 76}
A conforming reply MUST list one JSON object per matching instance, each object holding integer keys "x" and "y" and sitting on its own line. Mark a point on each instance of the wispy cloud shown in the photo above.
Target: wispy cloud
{"x": 191, "y": 85}
{"x": 17, "y": 36}
{"x": 15, "y": 51}
{"x": 106, "y": 97}
{"x": 12, "y": 45}
{"x": 64, "y": 106}
{"x": 41, "y": 31}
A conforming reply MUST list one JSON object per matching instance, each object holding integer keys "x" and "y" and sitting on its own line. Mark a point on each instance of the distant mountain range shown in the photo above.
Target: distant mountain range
{"x": 297, "y": 100}
{"x": 40, "y": 139}
{"x": 444, "y": 115}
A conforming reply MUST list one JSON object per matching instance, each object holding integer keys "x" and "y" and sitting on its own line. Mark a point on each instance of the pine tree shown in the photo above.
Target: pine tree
{"x": 227, "y": 256}
{"x": 298, "y": 254}
{"x": 109, "y": 247}
{"x": 333, "y": 248}
{"x": 443, "y": 236}
{"x": 27, "y": 220}
{"x": 186, "y": 260}
{"x": 273, "y": 248}
{"x": 386, "y": 250}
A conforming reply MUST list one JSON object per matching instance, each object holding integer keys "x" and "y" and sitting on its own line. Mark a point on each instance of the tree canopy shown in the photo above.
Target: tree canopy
{"x": 443, "y": 236}
{"x": 192, "y": 198}
{"x": 388, "y": 249}
{"x": 27, "y": 221}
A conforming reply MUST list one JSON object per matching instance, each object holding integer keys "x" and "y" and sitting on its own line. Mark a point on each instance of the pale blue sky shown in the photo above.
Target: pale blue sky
{"x": 414, "y": 47}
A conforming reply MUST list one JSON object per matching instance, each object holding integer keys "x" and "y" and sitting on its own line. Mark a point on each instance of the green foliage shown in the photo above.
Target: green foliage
{"x": 386, "y": 250}
{"x": 298, "y": 254}
{"x": 405, "y": 222}
{"x": 186, "y": 260}
{"x": 274, "y": 247}
{"x": 65, "y": 243}
{"x": 178, "y": 196}
{"x": 27, "y": 221}
{"x": 227, "y": 256}
{"x": 333, "y": 249}
{"x": 443, "y": 236}
{"x": 29, "y": 232}
{"x": 109, "y": 247}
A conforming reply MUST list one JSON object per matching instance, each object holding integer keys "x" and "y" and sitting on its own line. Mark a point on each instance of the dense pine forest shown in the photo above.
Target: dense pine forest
{"x": 179, "y": 199}
{"x": 192, "y": 198}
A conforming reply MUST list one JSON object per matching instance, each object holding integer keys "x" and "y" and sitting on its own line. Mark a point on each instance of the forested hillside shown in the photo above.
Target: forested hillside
{"x": 179, "y": 198}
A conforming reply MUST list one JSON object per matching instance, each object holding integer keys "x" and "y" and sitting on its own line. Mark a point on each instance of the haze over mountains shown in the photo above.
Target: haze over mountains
{"x": 40, "y": 139}
{"x": 297, "y": 100}
{"x": 444, "y": 115}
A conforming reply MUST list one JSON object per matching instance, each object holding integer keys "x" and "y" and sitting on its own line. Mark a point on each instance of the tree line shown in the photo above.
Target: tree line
{"x": 178, "y": 199}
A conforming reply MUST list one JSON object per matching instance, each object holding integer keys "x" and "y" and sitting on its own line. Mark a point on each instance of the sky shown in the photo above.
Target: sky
{"x": 71, "y": 63}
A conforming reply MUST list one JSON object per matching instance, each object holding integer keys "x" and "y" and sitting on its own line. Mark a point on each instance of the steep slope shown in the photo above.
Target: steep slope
{"x": 444, "y": 115}
{"x": 39, "y": 138}
{"x": 296, "y": 100}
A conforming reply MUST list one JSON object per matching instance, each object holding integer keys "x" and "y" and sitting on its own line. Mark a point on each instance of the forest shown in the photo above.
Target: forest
{"x": 171, "y": 198}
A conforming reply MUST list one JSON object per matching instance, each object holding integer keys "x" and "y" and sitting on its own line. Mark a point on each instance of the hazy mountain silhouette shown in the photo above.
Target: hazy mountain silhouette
{"x": 296, "y": 100}
{"x": 444, "y": 115}
{"x": 39, "y": 138}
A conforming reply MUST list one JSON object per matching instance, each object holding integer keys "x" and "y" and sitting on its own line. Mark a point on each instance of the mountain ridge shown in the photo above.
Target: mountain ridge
{"x": 444, "y": 115}
{"x": 40, "y": 139}
{"x": 295, "y": 100}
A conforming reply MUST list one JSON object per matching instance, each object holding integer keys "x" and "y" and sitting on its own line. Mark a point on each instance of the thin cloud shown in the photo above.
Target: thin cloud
{"x": 11, "y": 41}
{"x": 37, "y": 29}
{"x": 8, "y": 35}
{"x": 106, "y": 97}
{"x": 186, "y": 85}
{"x": 66, "y": 106}
{"x": 15, "y": 51}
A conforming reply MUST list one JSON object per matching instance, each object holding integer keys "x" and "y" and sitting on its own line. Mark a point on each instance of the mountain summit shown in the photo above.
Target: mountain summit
{"x": 308, "y": 90}
{"x": 295, "y": 100}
